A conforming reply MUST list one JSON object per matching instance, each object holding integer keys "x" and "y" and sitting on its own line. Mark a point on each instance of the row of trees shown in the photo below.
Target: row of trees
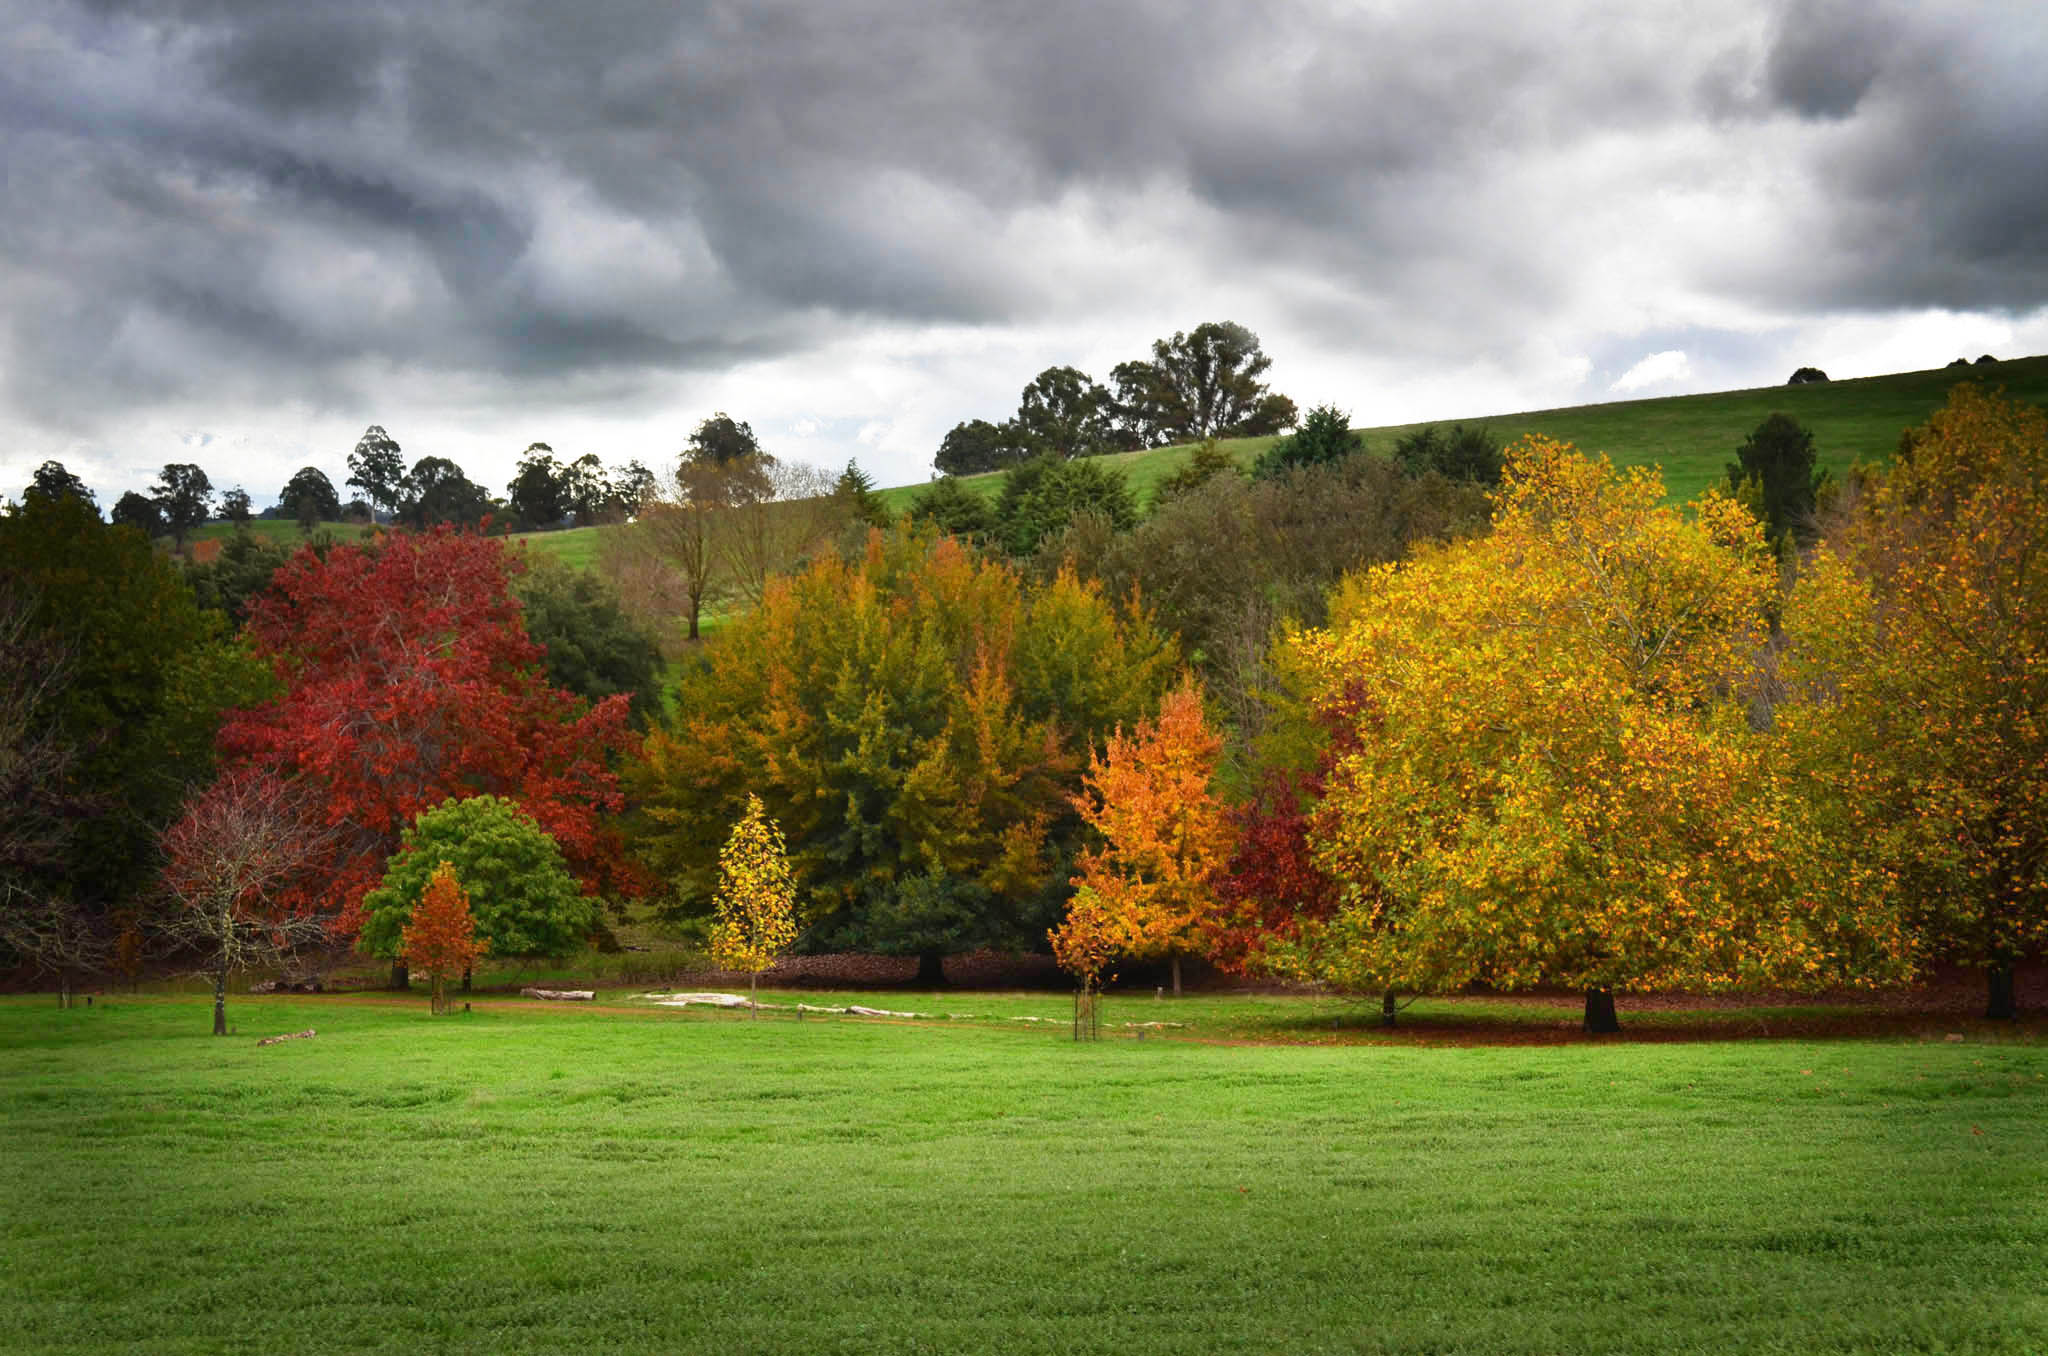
{"x": 1199, "y": 384}
{"x": 1597, "y": 741}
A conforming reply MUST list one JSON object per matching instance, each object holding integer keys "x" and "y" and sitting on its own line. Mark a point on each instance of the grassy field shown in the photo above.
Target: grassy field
{"x": 524, "y": 1178}
{"x": 1692, "y": 438}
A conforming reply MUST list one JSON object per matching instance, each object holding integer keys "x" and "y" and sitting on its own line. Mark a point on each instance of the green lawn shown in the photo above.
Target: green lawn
{"x": 527, "y": 1178}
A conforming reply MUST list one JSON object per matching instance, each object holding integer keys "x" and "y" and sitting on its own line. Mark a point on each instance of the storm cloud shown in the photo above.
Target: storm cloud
{"x": 254, "y": 228}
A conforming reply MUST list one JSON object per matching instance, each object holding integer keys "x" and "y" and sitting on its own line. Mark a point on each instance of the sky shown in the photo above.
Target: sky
{"x": 237, "y": 232}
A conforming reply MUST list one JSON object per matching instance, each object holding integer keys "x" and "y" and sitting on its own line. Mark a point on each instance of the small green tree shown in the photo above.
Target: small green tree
{"x": 1775, "y": 474}
{"x": 953, "y": 508}
{"x": 526, "y": 902}
{"x": 1324, "y": 436}
{"x": 1462, "y": 454}
{"x": 756, "y": 900}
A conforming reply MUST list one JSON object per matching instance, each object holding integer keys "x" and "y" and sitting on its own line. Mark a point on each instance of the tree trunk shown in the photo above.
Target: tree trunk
{"x": 931, "y": 970}
{"x": 1600, "y": 1018}
{"x": 1176, "y": 976}
{"x": 2000, "y": 1005}
{"x": 438, "y": 1004}
{"x": 1387, "y": 1008}
{"x": 753, "y": 996}
{"x": 693, "y": 618}
{"x": 401, "y": 978}
{"x": 465, "y": 978}
{"x": 220, "y": 1001}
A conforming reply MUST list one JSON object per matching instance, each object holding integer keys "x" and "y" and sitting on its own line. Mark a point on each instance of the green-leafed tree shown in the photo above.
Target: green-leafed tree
{"x": 1776, "y": 473}
{"x": 1325, "y": 436}
{"x": 855, "y": 491}
{"x": 309, "y": 496}
{"x": 53, "y": 480}
{"x": 593, "y": 648}
{"x": 954, "y": 509}
{"x": 231, "y": 581}
{"x": 139, "y": 511}
{"x": 185, "y": 496}
{"x": 916, "y": 713}
{"x": 1469, "y": 454}
{"x": 524, "y": 899}
{"x": 1041, "y": 496}
{"x": 377, "y": 468}
{"x": 1201, "y": 384}
{"x": 436, "y": 491}
{"x": 149, "y": 673}
{"x": 975, "y": 445}
{"x": 538, "y": 494}
{"x": 1064, "y": 413}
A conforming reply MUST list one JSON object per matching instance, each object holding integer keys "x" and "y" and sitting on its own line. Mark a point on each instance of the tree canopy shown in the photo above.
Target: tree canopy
{"x": 523, "y": 897}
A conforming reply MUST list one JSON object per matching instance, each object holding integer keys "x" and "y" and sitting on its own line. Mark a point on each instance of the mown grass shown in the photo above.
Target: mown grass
{"x": 542, "y": 1179}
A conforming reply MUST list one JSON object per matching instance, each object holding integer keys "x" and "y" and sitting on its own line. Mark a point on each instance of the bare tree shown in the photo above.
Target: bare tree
{"x": 772, "y": 521}
{"x": 230, "y": 860}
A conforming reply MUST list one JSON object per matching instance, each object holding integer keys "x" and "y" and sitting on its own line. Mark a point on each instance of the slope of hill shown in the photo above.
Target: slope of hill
{"x": 1692, "y": 438}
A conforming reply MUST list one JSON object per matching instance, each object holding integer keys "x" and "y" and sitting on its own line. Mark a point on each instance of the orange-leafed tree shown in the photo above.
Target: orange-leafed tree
{"x": 1548, "y": 770}
{"x": 440, "y": 937}
{"x": 756, "y": 901}
{"x": 1167, "y": 835}
{"x": 1919, "y": 668}
{"x": 1093, "y": 934}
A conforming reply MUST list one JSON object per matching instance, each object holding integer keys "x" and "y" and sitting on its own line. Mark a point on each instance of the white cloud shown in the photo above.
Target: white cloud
{"x": 1656, "y": 370}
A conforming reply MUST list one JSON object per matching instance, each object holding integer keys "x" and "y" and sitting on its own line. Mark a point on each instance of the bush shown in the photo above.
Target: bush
{"x": 1325, "y": 436}
{"x": 1462, "y": 454}
{"x": 1806, "y": 376}
{"x": 525, "y": 901}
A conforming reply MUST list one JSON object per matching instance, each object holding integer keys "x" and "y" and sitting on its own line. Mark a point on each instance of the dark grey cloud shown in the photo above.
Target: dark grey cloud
{"x": 238, "y": 201}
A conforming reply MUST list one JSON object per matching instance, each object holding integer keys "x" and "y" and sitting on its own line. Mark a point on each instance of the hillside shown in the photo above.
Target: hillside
{"x": 1691, "y": 437}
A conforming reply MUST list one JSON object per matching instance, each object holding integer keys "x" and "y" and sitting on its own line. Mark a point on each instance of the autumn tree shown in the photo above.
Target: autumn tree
{"x": 917, "y": 713}
{"x": 408, "y": 678}
{"x": 230, "y": 862}
{"x": 440, "y": 936}
{"x": 1166, "y": 834}
{"x": 1550, "y": 775}
{"x": 1919, "y": 672}
{"x": 1092, "y": 934}
{"x": 755, "y": 907}
{"x": 526, "y": 900}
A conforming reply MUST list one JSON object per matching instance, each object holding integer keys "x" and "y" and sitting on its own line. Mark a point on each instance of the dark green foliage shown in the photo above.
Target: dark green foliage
{"x": 721, "y": 439}
{"x": 634, "y": 488}
{"x": 1063, "y": 413}
{"x": 1470, "y": 454}
{"x": 140, "y": 512}
{"x": 587, "y": 490}
{"x": 954, "y": 509}
{"x": 926, "y": 914}
{"x": 377, "y": 468}
{"x": 1775, "y": 472}
{"x": 1041, "y": 496}
{"x": 242, "y": 570}
{"x": 1226, "y": 563}
{"x": 539, "y": 493}
{"x": 855, "y": 490}
{"x": 1325, "y": 436}
{"x": 593, "y": 648}
{"x": 149, "y": 672}
{"x": 53, "y": 480}
{"x": 976, "y": 445}
{"x": 310, "y": 497}
{"x": 520, "y": 890}
{"x": 1201, "y": 384}
{"x": 1204, "y": 464}
{"x": 436, "y": 491}
{"x": 235, "y": 506}
{"x": 1806, "y": 376}
{"x": 185, "y": 496}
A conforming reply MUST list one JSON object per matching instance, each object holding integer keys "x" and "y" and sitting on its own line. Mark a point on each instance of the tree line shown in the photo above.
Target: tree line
{"x": 1346, "y": 716}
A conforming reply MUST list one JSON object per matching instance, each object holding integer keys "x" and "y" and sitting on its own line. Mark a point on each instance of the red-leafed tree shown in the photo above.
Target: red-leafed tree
{"x": 440, "y": 938}
{"x": 408, "y": 678}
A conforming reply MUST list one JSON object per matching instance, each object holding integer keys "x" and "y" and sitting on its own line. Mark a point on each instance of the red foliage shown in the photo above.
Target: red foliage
{"x": 1272, "y": 883}
{"x": 409, "y": 678}
{"x": 440, "y": 938}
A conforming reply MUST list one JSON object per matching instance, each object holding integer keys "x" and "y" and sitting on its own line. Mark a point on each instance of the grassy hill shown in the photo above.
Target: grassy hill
{"x": 575, "y": 546}
{"x": 1691, "y": 437}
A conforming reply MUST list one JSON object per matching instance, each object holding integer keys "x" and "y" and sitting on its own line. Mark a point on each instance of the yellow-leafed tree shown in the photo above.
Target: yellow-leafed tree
{"x": 756, "y": 900}
{"x": 1919, "y": 668}
{"x": 1167, "y": 836}
{"x": 1546, "y": 771}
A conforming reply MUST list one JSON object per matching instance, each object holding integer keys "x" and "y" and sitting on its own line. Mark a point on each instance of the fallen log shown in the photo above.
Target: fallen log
{"x": 560, "y": 995}
{"x": 293, "y": 1036}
